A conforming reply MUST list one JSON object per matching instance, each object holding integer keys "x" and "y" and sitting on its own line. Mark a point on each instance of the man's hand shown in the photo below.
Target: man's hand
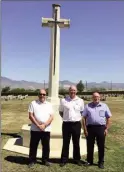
{"x": 85, "y": 133}
{"x": 106, "y": 132}
{"x": 42, "y": 127}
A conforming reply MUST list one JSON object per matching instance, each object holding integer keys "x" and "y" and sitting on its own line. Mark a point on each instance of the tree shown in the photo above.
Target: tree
{"x": 37, "y": 90}
{"x": 18, "y": 90}
{"x": 102, "y": 89}
{"x": 62, "y": 91}
{"x": 6, "y": 89}
{"x": 80, "y": 86}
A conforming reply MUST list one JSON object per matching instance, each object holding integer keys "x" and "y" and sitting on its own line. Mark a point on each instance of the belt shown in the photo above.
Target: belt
{"x": 91, "y": 125}
{"x": 71, "y": 121}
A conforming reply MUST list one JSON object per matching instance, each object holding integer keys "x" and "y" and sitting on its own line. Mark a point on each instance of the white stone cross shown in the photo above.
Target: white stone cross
{"x": 55, "y": 24}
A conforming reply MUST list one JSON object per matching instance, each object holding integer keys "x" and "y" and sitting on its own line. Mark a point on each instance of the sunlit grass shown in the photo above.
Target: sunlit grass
{"x": 14, "y": 115}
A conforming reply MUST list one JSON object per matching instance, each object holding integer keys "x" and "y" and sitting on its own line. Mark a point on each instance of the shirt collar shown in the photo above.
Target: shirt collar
{"x": 69, "y": 98}
{"x": 97, "y": 105}
{"x": 39, "y": 102}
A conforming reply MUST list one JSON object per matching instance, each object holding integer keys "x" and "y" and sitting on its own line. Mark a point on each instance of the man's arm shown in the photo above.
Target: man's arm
{"x": 50, "y": 119}
{"x": 84, "y": 114}
{"x": 84, "y": 126}
{"x": 82, "y": 106}
{"x": 107, "y": 126}
{"x": 48, "y": 122}
{"x": 107, "y": 123}
{"x": 107, "y": 115}
{"x": 84, "y": 123}
{"x": 32, "y": 118}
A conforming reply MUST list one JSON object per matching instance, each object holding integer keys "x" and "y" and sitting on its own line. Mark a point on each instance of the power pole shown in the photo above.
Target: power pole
{"x": 44, "y": 84}
{"x": 111, "y": 85}
{"x": 86, "y": 85}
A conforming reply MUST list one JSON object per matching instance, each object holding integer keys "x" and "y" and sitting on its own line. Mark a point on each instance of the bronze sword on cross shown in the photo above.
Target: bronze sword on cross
{"x": 55, "y": 22}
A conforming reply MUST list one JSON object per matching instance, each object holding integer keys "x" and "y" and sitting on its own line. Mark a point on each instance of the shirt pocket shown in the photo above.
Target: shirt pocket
{"x": 101, "y": 113}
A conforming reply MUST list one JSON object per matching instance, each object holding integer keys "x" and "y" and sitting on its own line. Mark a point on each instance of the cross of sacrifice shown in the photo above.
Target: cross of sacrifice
{"x": 55, "y": 23}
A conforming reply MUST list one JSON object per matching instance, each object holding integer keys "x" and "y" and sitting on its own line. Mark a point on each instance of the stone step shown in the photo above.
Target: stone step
{"x": 15, "y": 145}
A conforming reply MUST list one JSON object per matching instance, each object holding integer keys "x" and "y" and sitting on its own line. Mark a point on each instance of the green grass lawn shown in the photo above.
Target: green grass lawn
{"x": 14, "y": 115}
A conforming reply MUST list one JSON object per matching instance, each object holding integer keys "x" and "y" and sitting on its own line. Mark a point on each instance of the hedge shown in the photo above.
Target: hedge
{"x": 61, "y": 93}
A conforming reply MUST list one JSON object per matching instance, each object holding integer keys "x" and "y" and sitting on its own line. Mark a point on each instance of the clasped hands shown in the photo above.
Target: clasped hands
{"x": 41, "y": 126}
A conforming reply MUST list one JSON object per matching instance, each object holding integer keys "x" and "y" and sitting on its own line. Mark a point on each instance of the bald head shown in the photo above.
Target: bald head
{"x": 73, "y": 87}
{"x": 96, "y": 94}
{"x": 42, "y": 95}
{"x": 96, "y": 97}
{"x": 42, "y": 91}
{"x": 72, "y": 91}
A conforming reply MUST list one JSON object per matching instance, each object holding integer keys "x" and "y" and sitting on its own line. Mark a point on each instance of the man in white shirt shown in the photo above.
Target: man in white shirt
{"x": 41, "y": 116}
{"x": 70, "y": 110}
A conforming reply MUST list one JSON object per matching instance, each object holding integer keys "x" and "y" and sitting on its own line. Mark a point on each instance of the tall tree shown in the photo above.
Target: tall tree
{"x": 80, "y": 86}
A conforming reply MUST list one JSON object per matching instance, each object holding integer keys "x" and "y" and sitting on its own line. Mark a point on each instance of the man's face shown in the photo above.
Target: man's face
{"x": 72, "y": 92}
{"x": 42, "y": 95}
{"x": 96, "y": 97}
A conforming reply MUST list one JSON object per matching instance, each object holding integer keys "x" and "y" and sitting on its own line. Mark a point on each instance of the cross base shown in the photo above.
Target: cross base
{"x": 15, "y": 145}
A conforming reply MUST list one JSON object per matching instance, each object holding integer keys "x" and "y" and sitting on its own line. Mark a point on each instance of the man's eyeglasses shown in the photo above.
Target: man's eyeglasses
{"x": 42, "y": 94}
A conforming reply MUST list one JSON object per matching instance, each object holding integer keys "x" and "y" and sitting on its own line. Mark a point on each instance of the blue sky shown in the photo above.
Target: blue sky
{"x": 92, "y": 49}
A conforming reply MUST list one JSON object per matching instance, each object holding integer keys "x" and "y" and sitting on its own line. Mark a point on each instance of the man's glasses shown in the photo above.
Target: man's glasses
{"x": 42, "y": 94}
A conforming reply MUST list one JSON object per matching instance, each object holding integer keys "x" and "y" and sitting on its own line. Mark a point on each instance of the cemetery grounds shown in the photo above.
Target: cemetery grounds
{"x": 14, "y": 115}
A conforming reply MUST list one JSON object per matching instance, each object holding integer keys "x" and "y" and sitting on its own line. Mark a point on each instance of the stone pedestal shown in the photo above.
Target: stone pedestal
{"x": 21, "y": 145}
{"x": 57, "y": 134}
{"x": 56, "y": 142}
{"x": 55, "y": 103}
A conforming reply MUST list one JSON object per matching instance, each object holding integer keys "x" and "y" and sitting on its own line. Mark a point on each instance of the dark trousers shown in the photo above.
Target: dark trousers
{"x": 37, "y": 136}
{"x": 71, "y": 129}
{"x": 95, "y": 132}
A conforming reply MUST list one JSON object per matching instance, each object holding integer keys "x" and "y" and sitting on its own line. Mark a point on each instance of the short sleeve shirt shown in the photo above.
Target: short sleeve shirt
{"x": 96, "y": 114}
{"x": 71, "y": 108}
{"x": 42, "y": 112}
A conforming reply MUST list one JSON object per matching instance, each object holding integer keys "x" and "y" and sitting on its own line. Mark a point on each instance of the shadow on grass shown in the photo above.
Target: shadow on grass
{"x": 14, "y": 135}
{"x": 25, "y": 160}
{"x": 57, "y": 161}
{"x": 70, "y": 161}
{"x": 18, "y": 159}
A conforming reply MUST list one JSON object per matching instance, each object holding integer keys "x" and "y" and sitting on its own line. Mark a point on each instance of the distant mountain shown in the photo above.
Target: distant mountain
{"x": 65, "y": 84}
{"x": 20, "y": 84}
{"x": 107, "y": 85}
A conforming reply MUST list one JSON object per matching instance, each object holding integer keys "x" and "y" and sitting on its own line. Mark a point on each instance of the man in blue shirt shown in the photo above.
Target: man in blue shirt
{"x": 95, "y": 124}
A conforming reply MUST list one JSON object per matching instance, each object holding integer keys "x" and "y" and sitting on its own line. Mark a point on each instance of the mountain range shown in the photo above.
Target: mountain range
{"x": 65, "y": 84}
